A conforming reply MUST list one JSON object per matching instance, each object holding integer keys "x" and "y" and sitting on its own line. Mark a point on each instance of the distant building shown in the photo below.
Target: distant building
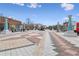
{"x": 40, "y": 26}
{"x": 65, "y": 24}
{"x": 12, "y": 23}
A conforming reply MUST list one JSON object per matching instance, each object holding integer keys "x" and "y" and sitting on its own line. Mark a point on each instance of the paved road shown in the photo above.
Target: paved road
{"x": 39, "y": 44}
{"x": 49, "y": 46}
{"x": 36, "y": 43}
{"x": 46, "y": 46}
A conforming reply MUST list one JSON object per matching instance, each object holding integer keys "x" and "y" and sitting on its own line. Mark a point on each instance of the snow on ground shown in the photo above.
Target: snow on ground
{"x": 72, "y": 40}
{"x": 49, "y": 48}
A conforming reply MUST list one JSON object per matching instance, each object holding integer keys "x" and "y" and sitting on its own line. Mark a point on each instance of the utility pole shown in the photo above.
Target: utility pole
{"x": 58, "y": 27}
{"x": 28, "y": 21}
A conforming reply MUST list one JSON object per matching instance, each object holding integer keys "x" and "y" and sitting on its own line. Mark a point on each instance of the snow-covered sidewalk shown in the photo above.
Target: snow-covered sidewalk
{"x": 72, "y": 40}
{"x": 49, "y": 48}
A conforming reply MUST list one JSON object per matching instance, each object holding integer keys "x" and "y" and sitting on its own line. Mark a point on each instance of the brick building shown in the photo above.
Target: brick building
{"x": 12, "y": 23}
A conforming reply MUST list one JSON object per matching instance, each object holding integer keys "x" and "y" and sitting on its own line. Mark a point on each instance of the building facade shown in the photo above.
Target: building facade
{"x": 12, "y": 23}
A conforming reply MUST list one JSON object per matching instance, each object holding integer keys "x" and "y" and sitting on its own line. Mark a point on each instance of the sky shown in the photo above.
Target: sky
{"x": 44, "y": 13}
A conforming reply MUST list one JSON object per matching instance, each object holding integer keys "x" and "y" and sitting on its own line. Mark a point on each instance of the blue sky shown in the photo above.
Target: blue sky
{"x": 46, "y": 13}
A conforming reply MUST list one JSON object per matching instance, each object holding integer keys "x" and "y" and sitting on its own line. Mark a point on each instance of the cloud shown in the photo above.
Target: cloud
{"x": 67, "y": 6}
{"x": 66, "y": 18}
{"x": 77, "y": 14}
{"x": 33, "y": 5}
{"x": 73, "y": 17}
{"x": 20, "y": 4}
{"x": 9, "y": 17}
{"x": 30, "y": 5}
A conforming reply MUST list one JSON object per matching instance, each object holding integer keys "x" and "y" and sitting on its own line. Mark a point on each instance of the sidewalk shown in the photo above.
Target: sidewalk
{"x": 64, "y": 47}
{"x": 22, "y": 43}
{"x": 72, "y": 40}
